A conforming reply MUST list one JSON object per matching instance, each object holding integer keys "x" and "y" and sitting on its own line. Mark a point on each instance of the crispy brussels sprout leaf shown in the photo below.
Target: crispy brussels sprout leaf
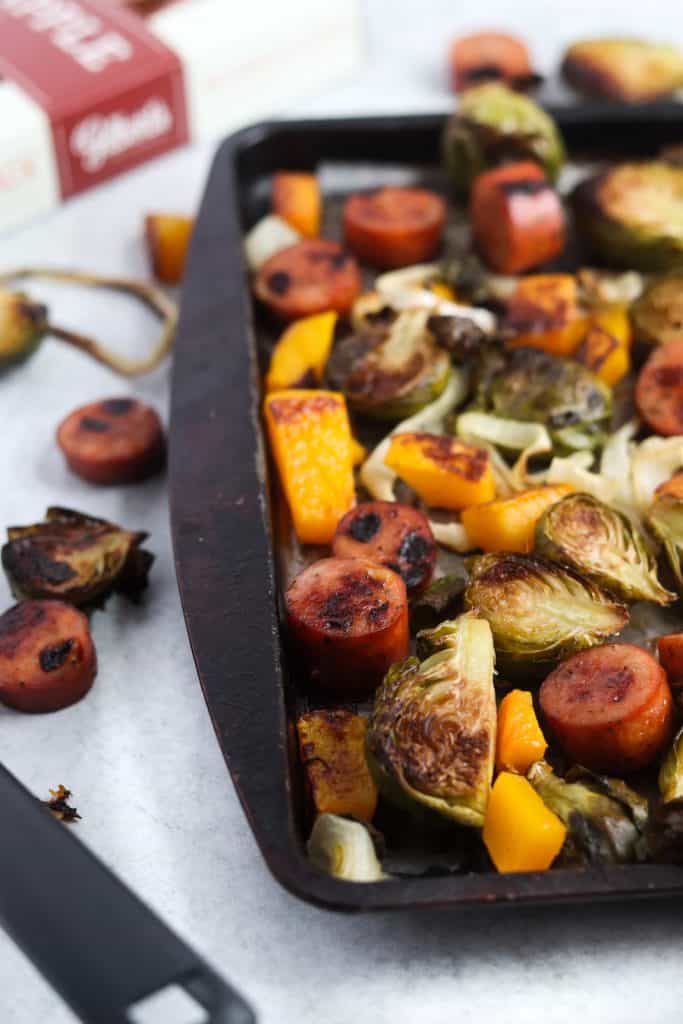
{"x": 539, "y": 611}
{"x": 530, "y": 385}
{"x": 657, "y": 315}
{"x": 431, "y": 739}
{"x": 391, "y": 373}
{"x": 494, "y": 125}
{"x": 344, "y": 849}
{"x": 671, "y": 772}
{"x": 76, "y": 558}
{"x": 601, "y": 829}
{"x": 601, "y": 543}
{"x": 441, "y": 600}
{"x": 665, "y": 519}
{"x": 632, "y": 215}
{"x": 23, "y": 325}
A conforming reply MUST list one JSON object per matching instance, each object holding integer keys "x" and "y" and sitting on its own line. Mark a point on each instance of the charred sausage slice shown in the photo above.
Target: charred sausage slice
{"x": 309, "y": 277}
{"x": 115, "y": 441}
{"x": 394, "y": 227}
{"x": 47, "y": 657}
{"x": 392, "y": 534}
{"x": 659, "y": 389}
{"x": 348, "y": 619}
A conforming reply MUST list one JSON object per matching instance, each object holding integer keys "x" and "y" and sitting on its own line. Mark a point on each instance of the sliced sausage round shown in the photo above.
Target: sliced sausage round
{"x": 309, "y": 277}
{"x": 348, "y": 619}
{"x": 47, "y": 657}
{"x": 659, "y": 389}
{"x": 392, "y": 534}
{"x": 394, "y": 227}
{"x": 115, "y": 441}
{"x": 610, "y": 707}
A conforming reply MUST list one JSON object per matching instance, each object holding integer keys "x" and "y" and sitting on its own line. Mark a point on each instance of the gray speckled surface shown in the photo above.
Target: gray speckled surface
{"x": 139, "y": 752}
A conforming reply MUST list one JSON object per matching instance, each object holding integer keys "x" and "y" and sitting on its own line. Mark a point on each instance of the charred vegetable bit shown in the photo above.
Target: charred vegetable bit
{"x": 431, "y": 739}
{"x": 603, "y": 544}
{"x": 494, "y": 125}
{"x": 332, "y": 748}
{"x": 671, "y": 771}
{"x": 441, "y": 600}
{"x": 23, "y": 325}
{"x": 657, "y": 314}
{"x": 665, "y": 519}
{"x": 76, "y": 558}
{"x": 632, "y": 215}
{"x": 60, "y": 807}
{"x": 605, "y": 818}
{"x": 630, "y": 70}
{"x": 665, "y": 832}
{"x": 544, "y": 312}
{"x": 538, "y": 611}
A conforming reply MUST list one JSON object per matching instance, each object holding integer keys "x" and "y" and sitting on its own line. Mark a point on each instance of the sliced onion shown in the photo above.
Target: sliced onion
{"x": 344, "y": 849}
{"x": 268, "y": 236}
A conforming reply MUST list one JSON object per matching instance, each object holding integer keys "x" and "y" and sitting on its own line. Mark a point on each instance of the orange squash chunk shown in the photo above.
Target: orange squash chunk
{"x": 520, "y": 832}
{"x": 509, "y": 523}
{"x": 520, "y": 741}
{"x": 296, "y": 198}
{"x": 445, "y": 472}
{"x": 301, "y": 353}
{"x": 332, "y": 749}
{"x": 168, "y": 239}
{"x": 605, "y": 348}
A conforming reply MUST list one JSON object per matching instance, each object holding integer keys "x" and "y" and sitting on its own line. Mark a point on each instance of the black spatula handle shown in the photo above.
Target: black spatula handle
{"x": 99, "y": 946}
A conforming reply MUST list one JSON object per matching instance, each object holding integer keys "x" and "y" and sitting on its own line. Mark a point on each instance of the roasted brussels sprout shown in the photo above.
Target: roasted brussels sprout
{"x": 23, "y": 324}
{"x": 494, "y": 125}
{"x": 441, "y": 600}
{"x": 665, "y": 832}
{"x": 665, "y": 519}
{"x": 605, "y": 819}
{"x": 344, "y": 849}
{"x": 431, "y": 738}
{"x": 630, "y": 70}
{"x": 632, "y": 215}
{"x": 75, "y": 558}
{"x": 601, "y": 543}
{"x": 671, "y": 772}
{"x": 658, "y": 314}
{"x": 530, "y": 385}
{"x": 539, "y": 611}
{"x": 388, "y": 374}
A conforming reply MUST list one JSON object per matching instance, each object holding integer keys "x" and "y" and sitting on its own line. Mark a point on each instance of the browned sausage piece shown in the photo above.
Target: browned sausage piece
{"x": 394, "y": 227}
{"x": 47, "y": 657}
{"x": 310, "y": 277}
{"x": 610, "y": 707}
{"x": 392, "y": 534}
{"x": 348, "y": 618}
{"x": 659, "y": 389}
{"x": 115, "y": 441}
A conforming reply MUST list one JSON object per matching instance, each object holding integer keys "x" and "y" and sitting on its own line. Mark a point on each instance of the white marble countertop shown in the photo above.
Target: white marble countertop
{"x": 139, "y": 752}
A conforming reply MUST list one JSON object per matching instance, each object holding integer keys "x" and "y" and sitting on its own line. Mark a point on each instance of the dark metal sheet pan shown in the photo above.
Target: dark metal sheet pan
{"x": 230, "y": 530}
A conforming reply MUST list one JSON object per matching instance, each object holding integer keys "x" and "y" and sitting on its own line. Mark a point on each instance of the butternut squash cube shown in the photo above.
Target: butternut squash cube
{"x": 444, "y": 471}
{"x": 544, "y": 313}
{"x": 168, "y": 238}
{"x": 301, "y": 353}
{"x": 296, "y": 198}
{"x": 509, "y": 523}
{"x": 332, "y": 749}
{"x": 520, "y": 832}
{"x": 520, "y": 741}
{"x": 605, "y": 348}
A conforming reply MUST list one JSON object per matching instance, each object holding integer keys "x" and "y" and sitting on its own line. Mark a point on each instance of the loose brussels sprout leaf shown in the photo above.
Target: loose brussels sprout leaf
{"x": 441, "y": 600}
{"x": 344, "y": 849}
{"x": 539, "y": 611}
{"x": 494, "y": 125}
{"x": 601, "y": 543}
{"x": 23, "y": 324}
{"x": 632, "y": 215}
{"x": 657, "y": 315}
{"x": 394, "y": 373}
{"x": 76, "y": 558}
{"x": 598, "y": 288}
{"x": 671, "y": 772}
{"x": 600, "y": 829}
{"x": 665, "y": 832}
{"x": 665, "y": 519}
{"x": 431, "y": 738}
{"x": 536, "y": 387}
{"x": 628, "y": 70}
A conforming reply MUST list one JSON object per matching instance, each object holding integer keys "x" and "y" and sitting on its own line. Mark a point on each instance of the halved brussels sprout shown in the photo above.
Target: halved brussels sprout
{"x": 23, "y": 324}
{"x": 632, "y": 215}
{"x": 431, "y": 737}
{"x": 76, "y": 558}
{"x": 665, "y": 832}
{"x": 658, "y": 314}
{"x": 671, "y": 772}
{"x": 630, "y": 70}
{"x": 495, "y": 125}
{"x": 601, "y": 543}
{"x": 539, "y": 611}
{"x": 527, "y": 384}
{"x": 665, "y": 519}
{"x": 605, "y": 819}
{"x": 391, "y": 373}
{"x": 344, "y": 849}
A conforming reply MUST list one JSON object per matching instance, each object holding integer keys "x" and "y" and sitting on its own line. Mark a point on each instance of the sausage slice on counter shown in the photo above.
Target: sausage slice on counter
{"x": 310, "y": 277}
{"x": 610, "y": 707}
{"x": 392, "y": 534}
{"x": 394, "y": 227}
{"x": 47, "y": 657}
{"x": 659, "y": 389}
{"x": 115, "y": 441}
{"x": 348, "y": 618}
{"x": 488, "y": 56}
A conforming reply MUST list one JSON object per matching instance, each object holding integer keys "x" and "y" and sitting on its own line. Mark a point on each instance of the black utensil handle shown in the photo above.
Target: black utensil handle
{"x": 99, "y": 946}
